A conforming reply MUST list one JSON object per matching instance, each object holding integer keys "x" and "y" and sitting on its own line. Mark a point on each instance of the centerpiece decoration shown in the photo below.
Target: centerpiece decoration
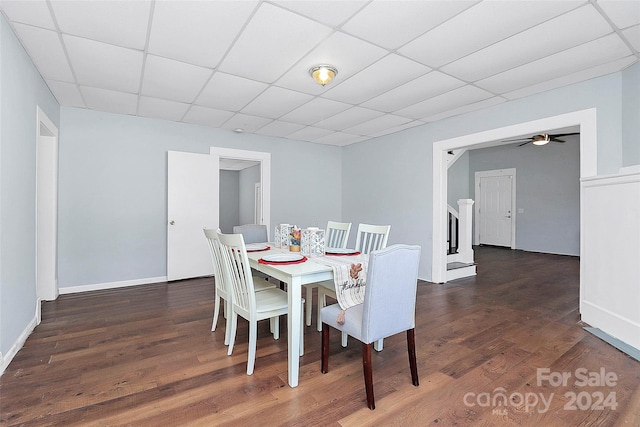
{"x": 312, "y": 242}
{"x": 281, "y": 236}
{"x": 294, "y": 244}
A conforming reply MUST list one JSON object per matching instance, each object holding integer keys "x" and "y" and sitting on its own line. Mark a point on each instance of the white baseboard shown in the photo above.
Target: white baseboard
{"x": 4, "y": 361}
{"x": 110, "y": 285}
{"x": 624, "y": 329}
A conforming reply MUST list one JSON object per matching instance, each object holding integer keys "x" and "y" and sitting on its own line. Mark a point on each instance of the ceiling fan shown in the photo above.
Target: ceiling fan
{"x": 542, "y": 139}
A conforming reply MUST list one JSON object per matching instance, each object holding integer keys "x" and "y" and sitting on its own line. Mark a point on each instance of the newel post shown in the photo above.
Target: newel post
{"x": 465, "y": 212}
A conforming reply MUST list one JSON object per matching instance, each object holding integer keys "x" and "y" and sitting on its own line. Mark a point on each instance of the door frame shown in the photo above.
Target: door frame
{"x": 46, "y": 209}
{"x": 265, "y": 174}
{"x": 587, "y": 121}
{"x": 484, "y": 174}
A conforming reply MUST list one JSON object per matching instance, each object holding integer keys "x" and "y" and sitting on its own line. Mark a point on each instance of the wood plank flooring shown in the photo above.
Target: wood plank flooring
{"x": 145, "y": 356}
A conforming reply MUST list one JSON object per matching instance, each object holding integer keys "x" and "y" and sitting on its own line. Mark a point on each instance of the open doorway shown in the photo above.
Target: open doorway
{"x": 46, "y": 209}
{"x": 240, "y": 193}
{"x": 585, "y": 119}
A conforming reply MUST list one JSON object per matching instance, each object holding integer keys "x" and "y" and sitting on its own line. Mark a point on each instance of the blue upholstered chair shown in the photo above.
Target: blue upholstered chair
{"x": 388, "y": 309}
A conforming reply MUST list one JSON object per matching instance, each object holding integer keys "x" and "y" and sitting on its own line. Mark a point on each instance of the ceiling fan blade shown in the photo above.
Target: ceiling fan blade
{"x": 524, "y": 144}
{"x": 517, "y": 140}
{"x": 555, "y": 135}
{"x": 557, "y": 140}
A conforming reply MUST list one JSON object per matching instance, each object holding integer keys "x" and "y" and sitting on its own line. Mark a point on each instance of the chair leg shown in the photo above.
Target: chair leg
{"x": 227, "y": 330}
{"x": 322, "y": 302}
{"x": 324, "y": 368}
{"x": 378, "y": 344}
{"x": 251, "y": 358}
{"x": 411, "y": 348}
{"x": 276, "y": 327}
{"x": 232, "y": 335}
{"x": 216, "y": 312}
{"x": 309, "y": 298}
{"x": 344, "y": 339}
{"x": 368, "y": 375}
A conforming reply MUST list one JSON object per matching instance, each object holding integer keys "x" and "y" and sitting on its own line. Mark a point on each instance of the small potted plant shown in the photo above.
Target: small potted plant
{"x": 294, "y": 246}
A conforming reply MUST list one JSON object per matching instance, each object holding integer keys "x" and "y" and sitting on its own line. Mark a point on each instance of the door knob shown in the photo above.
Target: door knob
{"x": 172, "y": 222}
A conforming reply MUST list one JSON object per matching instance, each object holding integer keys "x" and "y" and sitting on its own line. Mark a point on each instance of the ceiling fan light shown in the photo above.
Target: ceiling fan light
{"x": 542, "y": 141}
{"x": 323, "y": 74}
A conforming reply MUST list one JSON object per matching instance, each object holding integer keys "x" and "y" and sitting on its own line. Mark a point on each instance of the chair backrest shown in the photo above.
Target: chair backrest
{"x": 337, "y": 234}
{"x": 252, "y": 233}
{"x": 238, "y": 273}
{"x": 372, "y": 237}
{"x": 390, "y": 299}
{"x": 216, "y": 259}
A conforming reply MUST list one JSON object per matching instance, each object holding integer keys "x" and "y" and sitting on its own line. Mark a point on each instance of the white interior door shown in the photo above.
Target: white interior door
{"x": 192, "y": 204}
{"x": 495, "y": 201}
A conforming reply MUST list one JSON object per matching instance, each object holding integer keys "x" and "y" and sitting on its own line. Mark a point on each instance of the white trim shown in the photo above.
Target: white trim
{"x": 17, "y": 345}
{"x": 476, "y": 221}
{"x": 587, "y": 121}
{"x": 265, "y": 174}
{"x": 111, "y": 285}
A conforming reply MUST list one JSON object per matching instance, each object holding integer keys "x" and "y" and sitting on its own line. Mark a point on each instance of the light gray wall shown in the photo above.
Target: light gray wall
{"x": 229, "y": 200}
{"x": 458, "y": 181}
{"x": 547, "y": 188}
{"x": 631, "y": 115}
{"x": 113, "y": 189}
{"x": 248, "y": 179}
{"x": 21, "y": 91}
{"x": 388, "y": 180}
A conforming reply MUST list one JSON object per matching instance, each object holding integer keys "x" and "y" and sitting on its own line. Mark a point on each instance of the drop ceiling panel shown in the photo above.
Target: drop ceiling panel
{"x": 465, "y": 109}
{"x": 389, "y": 130}
{"x": 367, "y": 84}
{"x": 340, "y": 139}
{"x": 66, "y": 93}
{"x": 633, "y": 35}
{"x": 347, "y": 53}
{"x": 564, "y": 32}
{"x": 179, "y": 29}
{"x": 28, "y": 12}
{"x": 424, "y": 87}
{"x": 161, "y": 108}
{"x": 245, "y": 122}
{"x": 445, "y": 102}
{"x": 46, "y": 50}
{"x": 315, "y": 110}
{"x": 279, "y": 128}
{"x": 310, "y": 133}
{"x": 376, "y": 125}
{"x": 348, "y": 118}
{"x": 229, "y": 92}
{"x": 275, "y": 102}
{"x": 173, "y": 80}
{"x": 391, "y": 24}
{"x": 109, "y": 100}
{"x": 104, "y": 65}
{"x": 608, "y": 48}
{"x": 318, "y": 10}
{"x": 485, "y": 23}
{"x": 207, "y": 116}
{"x": 582, "y": 75}
{"x": 271, "y": 43}
{"x": 623, "y": 13}
{"x": 123, "y": 23}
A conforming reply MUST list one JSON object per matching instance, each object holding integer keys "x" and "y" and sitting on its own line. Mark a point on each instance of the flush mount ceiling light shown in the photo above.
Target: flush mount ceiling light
{"x": 323, "y": 74}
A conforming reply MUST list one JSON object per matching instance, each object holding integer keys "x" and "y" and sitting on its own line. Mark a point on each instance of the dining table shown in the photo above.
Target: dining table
{"x": 294, "y": 275}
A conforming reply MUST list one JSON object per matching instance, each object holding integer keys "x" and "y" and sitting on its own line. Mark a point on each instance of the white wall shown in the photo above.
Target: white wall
{"x": 631, "y": 115}
{"x": 113, "y": 190}
{"x": 229, "y": 200}
{"x": 21, "y": 91}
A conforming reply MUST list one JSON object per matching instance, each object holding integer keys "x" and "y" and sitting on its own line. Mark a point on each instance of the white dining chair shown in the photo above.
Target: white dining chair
{"x": 336, "y": 236}
{"x": 388, "y": 309}
{"x": 253, "y": 306}
{"x": 221, "y": 285}
{"x": 368, "y": 239}
{"x": 252, "y": 233}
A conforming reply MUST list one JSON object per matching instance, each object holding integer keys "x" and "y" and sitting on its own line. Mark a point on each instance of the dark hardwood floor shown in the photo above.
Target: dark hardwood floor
{"x": 145, "y": 356}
